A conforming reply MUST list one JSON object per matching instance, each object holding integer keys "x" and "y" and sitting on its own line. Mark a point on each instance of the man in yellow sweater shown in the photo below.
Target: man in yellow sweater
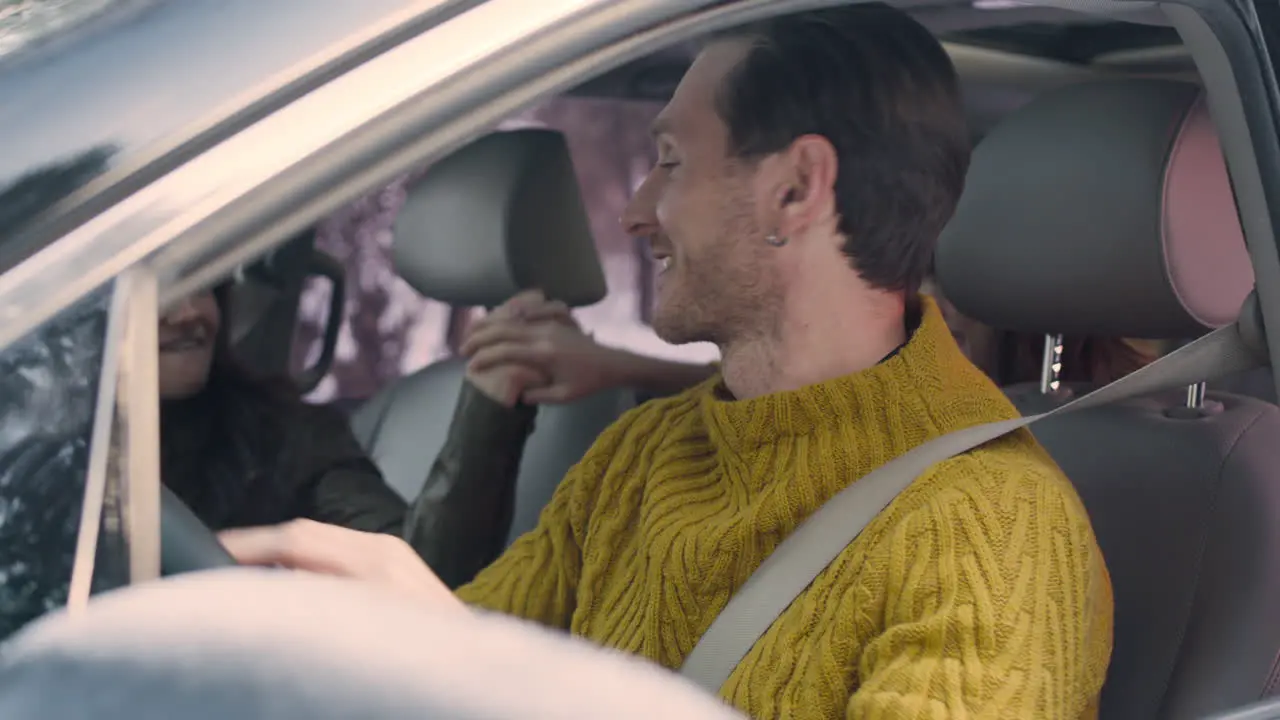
{"x": 806, "y": 167}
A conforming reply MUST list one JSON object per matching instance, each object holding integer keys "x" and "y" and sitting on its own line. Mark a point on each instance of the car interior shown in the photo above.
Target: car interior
{"x": 1180, "y": 493}
{"x": 1098, "y": 204}
{"x": 1128, "y": 197}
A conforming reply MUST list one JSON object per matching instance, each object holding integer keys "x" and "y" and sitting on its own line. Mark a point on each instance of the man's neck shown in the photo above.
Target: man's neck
{"x": 815, "y": 342}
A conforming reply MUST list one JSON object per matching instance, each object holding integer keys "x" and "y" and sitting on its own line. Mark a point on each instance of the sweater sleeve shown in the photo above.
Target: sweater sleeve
{"x": 537, "y": 577}
{"x": 998, "y": 606}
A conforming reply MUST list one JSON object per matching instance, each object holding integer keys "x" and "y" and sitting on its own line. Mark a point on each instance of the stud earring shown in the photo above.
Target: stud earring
{"x": 775, "y": 241}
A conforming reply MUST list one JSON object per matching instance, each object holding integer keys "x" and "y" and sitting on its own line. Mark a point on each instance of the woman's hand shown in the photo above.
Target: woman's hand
{"x": 385, "y": 560}
{"x": 507, "y": 383}
{"x": 538, "y": 337}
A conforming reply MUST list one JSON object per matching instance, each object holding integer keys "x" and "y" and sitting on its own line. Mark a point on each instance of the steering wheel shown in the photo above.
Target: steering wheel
{"x": 186, "y": 543}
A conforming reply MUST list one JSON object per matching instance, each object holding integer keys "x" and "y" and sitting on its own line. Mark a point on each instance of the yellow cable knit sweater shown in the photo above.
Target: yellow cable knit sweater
{"x": 979, "y": 593}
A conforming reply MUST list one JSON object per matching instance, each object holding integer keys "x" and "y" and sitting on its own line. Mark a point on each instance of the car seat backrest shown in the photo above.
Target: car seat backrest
{"x": 499, "y": 216}
{"x": 1105, "y": 209}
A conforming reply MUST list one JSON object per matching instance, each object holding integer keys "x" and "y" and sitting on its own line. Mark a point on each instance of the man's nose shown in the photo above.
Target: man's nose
{"x": 640, "y": 216}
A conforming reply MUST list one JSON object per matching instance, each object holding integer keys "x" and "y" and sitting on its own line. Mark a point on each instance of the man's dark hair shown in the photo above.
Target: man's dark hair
{"x": 878, "y": 86}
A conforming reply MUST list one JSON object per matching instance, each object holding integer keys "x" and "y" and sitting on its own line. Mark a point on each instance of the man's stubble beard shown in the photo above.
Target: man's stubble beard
{"x": 726, "y": 291}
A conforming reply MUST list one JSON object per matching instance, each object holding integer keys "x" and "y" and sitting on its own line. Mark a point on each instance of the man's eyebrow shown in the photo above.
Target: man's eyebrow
{"x": 660, "y": 126}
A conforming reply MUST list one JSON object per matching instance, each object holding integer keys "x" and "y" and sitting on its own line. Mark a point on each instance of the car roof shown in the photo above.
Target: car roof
{"x": 92, "y": 87}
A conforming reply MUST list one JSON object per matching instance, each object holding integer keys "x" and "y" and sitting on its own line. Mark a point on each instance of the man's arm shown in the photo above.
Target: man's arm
{"x": 995, "y": 610}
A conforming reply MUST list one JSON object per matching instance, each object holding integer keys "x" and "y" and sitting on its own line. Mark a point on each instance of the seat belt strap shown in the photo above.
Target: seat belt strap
{"x": 807, "y": 551}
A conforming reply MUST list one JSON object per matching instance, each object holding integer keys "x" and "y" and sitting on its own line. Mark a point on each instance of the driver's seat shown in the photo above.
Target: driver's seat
{"x": 501, "y": 215}
{"x": 1106, "y": 210}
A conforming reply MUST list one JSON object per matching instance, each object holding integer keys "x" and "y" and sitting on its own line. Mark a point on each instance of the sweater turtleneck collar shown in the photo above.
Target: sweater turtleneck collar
{"x": 927, "y": 373}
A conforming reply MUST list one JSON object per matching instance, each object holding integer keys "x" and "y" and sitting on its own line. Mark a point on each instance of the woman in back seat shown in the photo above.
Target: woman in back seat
{"x": 241, "y": 451}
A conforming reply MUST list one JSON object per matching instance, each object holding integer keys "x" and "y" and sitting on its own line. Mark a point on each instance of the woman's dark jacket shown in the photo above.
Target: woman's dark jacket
{"x": 458, "y": 522}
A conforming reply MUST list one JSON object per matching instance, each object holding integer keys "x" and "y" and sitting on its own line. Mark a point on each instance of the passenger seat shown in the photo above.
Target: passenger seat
{"x": 1106, "y": 209}
{"x": 501, "y": 215}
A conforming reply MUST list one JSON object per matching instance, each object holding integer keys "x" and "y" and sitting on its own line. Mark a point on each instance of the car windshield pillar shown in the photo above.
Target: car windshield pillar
{"x": 119, "y": 521}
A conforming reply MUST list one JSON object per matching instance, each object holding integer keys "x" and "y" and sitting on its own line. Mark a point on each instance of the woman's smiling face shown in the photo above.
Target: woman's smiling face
{"x": 188, "y": 335}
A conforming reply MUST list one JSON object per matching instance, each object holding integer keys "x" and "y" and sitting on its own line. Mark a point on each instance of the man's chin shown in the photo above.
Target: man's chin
{"x": 674, "y": 328}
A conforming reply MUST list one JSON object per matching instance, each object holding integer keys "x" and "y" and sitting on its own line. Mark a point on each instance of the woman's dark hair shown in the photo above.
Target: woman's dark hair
{"x": 881, "y": 89}
{"x": 221, "y": 449}
{"x": 1093, "y": 360}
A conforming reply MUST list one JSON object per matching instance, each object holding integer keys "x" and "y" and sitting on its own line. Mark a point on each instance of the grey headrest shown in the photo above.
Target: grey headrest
{"x": 1099, "y": 209}
{"x": 501, "y": 215}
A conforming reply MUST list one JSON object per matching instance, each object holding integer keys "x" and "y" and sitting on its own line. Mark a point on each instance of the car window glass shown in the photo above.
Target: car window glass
{"x": 48, "y": 394}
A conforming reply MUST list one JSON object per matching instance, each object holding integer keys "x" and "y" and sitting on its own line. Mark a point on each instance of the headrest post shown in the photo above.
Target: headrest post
{"x": 1051, "y": 368}
{"x": 1195, "y": 395}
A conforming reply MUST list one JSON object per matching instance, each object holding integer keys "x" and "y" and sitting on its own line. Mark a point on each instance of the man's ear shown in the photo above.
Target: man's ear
{"x": 808, "y": 198}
